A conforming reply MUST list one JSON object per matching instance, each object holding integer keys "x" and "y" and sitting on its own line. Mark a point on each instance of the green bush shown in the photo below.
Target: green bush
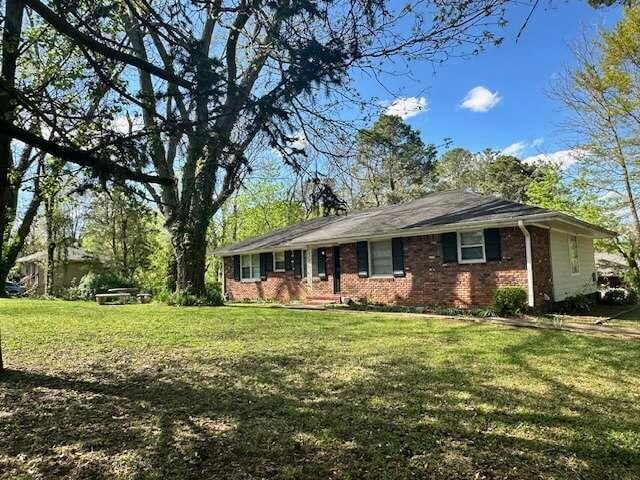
{"x": 615, "y": 296}
{"x": 576, "y": 304}
{"x": 73, "y": 293}
{"x": 93, "y": 283}
{"x": 212, "y": 298}
{"x": 482, "y": 312}
{"x": 510, "y": 301}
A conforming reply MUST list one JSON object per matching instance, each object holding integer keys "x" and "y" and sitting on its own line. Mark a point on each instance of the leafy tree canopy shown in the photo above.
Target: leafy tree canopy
{"x": 488, "y": 172}
{"x": 392, "y": 163}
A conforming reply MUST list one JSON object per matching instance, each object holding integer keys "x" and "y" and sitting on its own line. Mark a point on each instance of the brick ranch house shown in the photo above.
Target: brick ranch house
{"x": 447, "y": 248}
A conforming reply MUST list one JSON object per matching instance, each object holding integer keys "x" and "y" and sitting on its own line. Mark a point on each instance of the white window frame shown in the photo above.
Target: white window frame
{"x": 283, "y": 261}
{"x": 475, "y": 245}
{"x": 252, "y": 278}
{"x": 370, "y": 256}
{"x": 571, "y": 238}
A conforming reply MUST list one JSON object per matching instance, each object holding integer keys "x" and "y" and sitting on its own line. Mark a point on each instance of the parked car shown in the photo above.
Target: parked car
{"x": 12, "y": 288}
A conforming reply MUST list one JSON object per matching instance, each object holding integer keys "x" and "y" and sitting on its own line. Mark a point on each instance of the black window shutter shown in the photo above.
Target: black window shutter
{"x": 322, "y": 264}
{"x": 263, "y": 266}
{"x": 449, "y": 247}
{"x": 397, "y": 252}
{"x": 492, "y": 245}
{"x": 236, "y": 268}
{"x": 297, "y": 264}
{"x": 269, "y": 261}
{"x": 362, "y": 253}
{"x": 288, "y": 261}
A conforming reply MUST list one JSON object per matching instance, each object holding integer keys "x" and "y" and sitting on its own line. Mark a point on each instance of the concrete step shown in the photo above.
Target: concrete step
{"x": 322, "y": 299}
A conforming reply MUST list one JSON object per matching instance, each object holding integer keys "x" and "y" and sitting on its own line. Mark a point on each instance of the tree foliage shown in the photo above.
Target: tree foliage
{"x": 602, "y": 97}
{"x": 392, "y": 163}
{"x": 487, "y": 172}
{"x": 121, "y": 231}
{"x": 212, "y": 78}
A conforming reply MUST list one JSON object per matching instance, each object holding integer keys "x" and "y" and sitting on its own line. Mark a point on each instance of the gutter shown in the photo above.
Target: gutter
{"x": 416, "y": 231}
{"x": 527, "y": 244}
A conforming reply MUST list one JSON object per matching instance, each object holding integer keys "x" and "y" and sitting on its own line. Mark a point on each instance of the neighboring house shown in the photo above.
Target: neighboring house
{"x": 447, "y": 248}
{"x": 70, "y": 268}
{"x": 611, "y": 268}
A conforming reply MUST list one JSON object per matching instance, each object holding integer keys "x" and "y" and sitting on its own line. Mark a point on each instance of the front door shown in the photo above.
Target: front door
{"x": 336, "y": 269}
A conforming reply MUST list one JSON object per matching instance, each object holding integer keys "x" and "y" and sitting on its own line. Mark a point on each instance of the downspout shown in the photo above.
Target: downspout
{"x": 527, "y": 246}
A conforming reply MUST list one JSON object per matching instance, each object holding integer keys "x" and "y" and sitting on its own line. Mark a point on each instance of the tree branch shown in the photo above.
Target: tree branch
{"x": 83, "y": 158}
{"x": 80, "y": 38}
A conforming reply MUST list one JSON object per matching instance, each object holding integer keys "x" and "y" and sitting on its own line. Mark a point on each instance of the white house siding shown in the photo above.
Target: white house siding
{"x": 566, "y": 284}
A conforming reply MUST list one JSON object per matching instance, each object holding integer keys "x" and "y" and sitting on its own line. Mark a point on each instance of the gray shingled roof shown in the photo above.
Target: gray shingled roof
{"x": 453, "y": 207}
{"x": 609, "y": 264}
{"x": 73, "y": 255}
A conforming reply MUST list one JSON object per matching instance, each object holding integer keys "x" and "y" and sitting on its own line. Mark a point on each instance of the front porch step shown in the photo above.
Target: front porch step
{"x": 322, "y": 299}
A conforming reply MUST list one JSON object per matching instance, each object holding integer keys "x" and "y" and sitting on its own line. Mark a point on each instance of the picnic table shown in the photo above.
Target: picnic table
{"x": 132, "y": 291}
{"x": 122, "y": 298}
{"x": 143, "y": 297}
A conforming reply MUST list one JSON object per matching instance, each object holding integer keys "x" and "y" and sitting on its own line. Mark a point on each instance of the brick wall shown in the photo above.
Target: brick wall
{"x": 427, "y": 281}
{"x": 542, "y": 276}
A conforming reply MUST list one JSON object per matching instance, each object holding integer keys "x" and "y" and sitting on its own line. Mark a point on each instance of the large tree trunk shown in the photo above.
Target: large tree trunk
{"x": 7, "y": 261}
{"x": 51, "y": 247}
{"x": 190, "y": 256}
{"x": 3, "y": 278}
{"x": 12, "y": 30}
{"x": 172, "y": 272}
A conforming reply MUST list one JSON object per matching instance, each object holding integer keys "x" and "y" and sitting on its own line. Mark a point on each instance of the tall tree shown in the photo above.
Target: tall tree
{"x": 392, "y": 163}
{"x": 487, "y": 172}
{"x": 261, "y": 205}
{"x": 44, "y": 91}
{"x": 215, "y": 75}
{"x": 121, "y": 231}
{"x": 602, "y": 96}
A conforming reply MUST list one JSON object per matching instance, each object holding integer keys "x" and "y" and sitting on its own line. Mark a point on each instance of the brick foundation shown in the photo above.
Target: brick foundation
{"x": 428, "y": 281}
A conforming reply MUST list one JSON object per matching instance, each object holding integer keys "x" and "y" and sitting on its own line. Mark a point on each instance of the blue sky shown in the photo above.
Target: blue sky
{"x": 519, "y": 73}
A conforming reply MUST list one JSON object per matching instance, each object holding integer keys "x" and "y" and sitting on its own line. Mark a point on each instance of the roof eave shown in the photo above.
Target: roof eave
{"x": 534, "y": 219}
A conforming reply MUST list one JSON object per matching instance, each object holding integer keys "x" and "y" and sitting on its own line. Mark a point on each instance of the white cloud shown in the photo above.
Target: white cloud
{"x": 406, "y": 107}
{"x": 514, "y": 149}
{"x": 518, "y": 148}
{"x": 563, "y": 158}
{"x": 480, "y": 99}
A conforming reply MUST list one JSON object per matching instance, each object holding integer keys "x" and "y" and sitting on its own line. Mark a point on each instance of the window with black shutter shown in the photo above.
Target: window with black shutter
{"x": 322, "y": 264}
{"x": 269, "y": 261}
{"x": 362, "y": 253}
{"x": 264, "y": 258}
{"x": 449, "y": 247}
{"x": 297, "y": 264}
{"x": 397, "y": 251}
{"x": 493, "y": 249}
{"x": 288, "y": 261}
{"x": 236, "y": 268}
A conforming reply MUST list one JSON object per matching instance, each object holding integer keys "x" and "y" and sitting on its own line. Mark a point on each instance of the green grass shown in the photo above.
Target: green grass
{"x": 155, "y": 392}
{"x": 598, "y": 314}
{"x": 629, "y": 319}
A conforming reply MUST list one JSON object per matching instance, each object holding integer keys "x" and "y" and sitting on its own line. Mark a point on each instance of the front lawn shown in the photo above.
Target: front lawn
{"x": 629, "y": 319}
{"x": 155, "y": 392}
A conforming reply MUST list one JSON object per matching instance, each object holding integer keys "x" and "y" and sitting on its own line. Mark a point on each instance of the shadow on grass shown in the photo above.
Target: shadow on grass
{"x": 271, "y": 415}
